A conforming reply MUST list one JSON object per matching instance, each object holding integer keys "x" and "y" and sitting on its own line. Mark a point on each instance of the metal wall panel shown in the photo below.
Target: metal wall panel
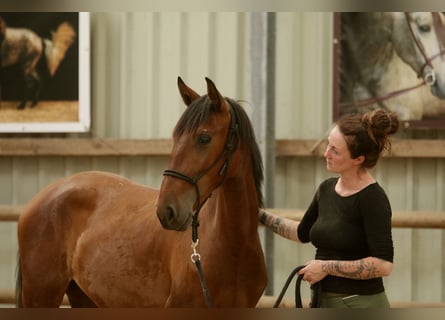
{"x": 138, "y": 56}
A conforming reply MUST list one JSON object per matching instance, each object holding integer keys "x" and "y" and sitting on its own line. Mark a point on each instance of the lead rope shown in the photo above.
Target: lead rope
{"x": 196, "y": 259}
{"x": 316, "y": 290}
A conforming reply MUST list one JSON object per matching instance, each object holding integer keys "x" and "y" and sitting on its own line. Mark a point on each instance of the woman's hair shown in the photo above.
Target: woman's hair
{"x": 368, "y": 134}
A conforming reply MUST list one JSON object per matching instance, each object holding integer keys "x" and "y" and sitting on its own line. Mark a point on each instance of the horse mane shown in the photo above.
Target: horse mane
{"x": 201, "y": 109}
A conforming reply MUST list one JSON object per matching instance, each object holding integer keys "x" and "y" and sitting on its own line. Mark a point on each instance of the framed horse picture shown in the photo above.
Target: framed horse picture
{"x": 391, "y": 60}
{"x": 44, "y": 72}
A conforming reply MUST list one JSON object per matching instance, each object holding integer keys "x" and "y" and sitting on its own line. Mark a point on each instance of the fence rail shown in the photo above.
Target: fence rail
{"x": 400, "y": 219}
{"x": 96, "y": 147}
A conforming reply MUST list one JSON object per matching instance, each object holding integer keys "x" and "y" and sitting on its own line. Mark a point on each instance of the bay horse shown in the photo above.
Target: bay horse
{"x": 106, "y": 241}
{"x": 376, "y": 46}
{"x": 24, "y": 48}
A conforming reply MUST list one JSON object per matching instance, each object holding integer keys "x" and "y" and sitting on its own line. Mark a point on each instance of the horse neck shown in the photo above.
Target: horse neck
{"x": 370, "y": 47}
{"x": 235, "y": 204}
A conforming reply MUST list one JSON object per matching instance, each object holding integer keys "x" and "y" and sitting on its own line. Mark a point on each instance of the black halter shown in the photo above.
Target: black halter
{"x": 228, "y": 152}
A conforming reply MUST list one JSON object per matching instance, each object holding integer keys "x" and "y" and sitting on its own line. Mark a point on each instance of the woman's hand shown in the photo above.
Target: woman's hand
{"x": 313, "y": 271}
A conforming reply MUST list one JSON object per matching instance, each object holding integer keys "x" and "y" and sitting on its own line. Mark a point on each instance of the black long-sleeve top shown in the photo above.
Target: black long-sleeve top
{"x": 349, "y": 228}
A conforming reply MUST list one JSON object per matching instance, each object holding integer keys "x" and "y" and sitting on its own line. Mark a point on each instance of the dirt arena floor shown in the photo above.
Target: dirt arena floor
{"x": 44, "y": 111}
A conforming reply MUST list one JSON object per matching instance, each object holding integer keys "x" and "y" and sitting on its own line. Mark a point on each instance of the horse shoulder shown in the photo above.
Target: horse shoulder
{"x": 20, "y": 43}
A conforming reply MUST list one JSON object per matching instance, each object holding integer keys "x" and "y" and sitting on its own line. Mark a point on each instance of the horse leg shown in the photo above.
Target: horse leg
{"x": 42, "y": 279}
{"x": 77, "y": 298}
{"x": 22, "y": 104}
{"x": 25, "y": 82}
{"x": 35, "y": 89}
{"x": 32, "y": 89}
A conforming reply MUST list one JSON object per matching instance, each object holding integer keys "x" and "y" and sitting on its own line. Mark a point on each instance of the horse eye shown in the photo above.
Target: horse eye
{"x": 204, "y": 139}
{"x": 424, "y": 28}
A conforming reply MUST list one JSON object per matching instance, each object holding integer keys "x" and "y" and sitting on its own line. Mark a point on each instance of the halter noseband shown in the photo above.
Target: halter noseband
{"x": 227, "y": 152}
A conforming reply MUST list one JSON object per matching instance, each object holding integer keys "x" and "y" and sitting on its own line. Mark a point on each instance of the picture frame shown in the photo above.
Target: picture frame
{"x": 55, "y": 95}
{"x": 399, "y": 89}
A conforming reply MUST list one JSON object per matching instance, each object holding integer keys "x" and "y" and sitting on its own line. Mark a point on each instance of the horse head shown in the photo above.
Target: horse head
{"x": 204, "y": 141}
{"x": 419, "y": 40}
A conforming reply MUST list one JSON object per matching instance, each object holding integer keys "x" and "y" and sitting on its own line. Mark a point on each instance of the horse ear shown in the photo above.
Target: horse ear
{"x": 215, "y": 97}
{"x": 188, "y": 95}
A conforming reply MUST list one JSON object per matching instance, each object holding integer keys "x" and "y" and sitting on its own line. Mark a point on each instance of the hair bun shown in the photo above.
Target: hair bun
{"x": 380, "y": 123}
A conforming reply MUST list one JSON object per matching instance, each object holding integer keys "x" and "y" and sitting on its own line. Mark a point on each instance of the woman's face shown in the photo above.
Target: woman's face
{"x": 338, "y": 157}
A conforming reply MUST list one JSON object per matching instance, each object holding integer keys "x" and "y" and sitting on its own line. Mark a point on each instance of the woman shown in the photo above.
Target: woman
{"x": 349, "y": 219}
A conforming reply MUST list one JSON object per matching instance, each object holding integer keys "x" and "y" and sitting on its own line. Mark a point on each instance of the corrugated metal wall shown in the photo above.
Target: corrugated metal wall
{"x": 136, "y": 58}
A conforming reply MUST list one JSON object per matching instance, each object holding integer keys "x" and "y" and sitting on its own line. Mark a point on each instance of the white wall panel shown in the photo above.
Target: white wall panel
{"x": 304, "y": 75}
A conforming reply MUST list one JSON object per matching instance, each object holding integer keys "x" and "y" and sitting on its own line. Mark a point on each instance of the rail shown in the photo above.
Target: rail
{"x": 400, "y": 219}
{"x": 99, "y": 147}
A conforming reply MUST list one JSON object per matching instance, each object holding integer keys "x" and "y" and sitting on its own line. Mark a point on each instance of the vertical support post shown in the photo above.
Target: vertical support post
{"x": 262, "y": 53}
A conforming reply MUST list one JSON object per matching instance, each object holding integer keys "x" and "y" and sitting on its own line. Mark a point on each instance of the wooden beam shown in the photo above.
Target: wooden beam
{"x": 418, "y": 148}
{"x": 400, "y": 219}
{"x": 72, "y": 147}
{"x": 84, "y": 147}
{"x": 400, "y": 148}
{"x": 10, "y": 213}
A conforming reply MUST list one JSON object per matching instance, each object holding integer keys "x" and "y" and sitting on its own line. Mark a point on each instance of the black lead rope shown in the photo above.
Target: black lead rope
{"x": 196, "y": 259}
{"x": 316, "y": 290}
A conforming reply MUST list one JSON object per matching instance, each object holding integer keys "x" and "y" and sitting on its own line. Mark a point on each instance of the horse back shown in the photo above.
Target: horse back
{"x": 20, "y": 44}
{"x": 66, "y": 205}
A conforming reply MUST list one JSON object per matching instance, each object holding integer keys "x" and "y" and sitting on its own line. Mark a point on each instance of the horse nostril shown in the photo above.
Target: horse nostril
{"x": 166, "y": 216}
{"x": 169, "y": 214}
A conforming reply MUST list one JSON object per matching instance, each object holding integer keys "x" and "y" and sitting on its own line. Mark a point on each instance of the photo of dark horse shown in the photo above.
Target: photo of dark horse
{"x": 22, "y": 49}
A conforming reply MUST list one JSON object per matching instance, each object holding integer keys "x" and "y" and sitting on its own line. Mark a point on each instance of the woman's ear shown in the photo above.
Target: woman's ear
{"x": 359, "y": 160}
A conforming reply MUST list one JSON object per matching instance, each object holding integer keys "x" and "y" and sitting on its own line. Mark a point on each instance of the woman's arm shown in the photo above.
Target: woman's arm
{"x": 366, "y": 268}
{"x": 362, "y": 269}
{"x": 284, "y": 227}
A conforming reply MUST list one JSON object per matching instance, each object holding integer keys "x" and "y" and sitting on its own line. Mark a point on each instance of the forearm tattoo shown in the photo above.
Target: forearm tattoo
{"x": 358, "y": 269}
{"x": 284, "y": 227}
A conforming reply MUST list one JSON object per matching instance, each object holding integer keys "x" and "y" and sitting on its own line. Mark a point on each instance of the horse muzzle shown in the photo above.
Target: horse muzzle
{"x": 170, "y": 219}
{"x": 438, "y": 88}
